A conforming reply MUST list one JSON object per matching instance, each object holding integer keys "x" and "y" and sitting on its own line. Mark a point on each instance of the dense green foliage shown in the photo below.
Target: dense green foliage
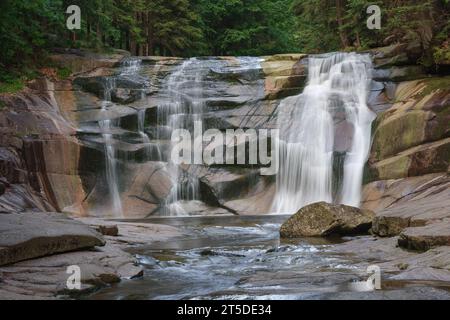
{"x": 29, "y": 29}
{"x": 341, "y": 24}
{"x": 247, "y": 27}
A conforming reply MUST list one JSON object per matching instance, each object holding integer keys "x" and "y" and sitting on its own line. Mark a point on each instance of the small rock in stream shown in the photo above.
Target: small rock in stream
{"x": 111, "y": 230}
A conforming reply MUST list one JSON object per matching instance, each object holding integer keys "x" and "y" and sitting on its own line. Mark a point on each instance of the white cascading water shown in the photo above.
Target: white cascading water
{"x": 188, "y": 88}
{"x": 185, "y": 107}
{"x": 131, "y": 68}
{"x": 106, "y": 128}
{"x": 338, "y": 84}
{"x": 152, "y": 150}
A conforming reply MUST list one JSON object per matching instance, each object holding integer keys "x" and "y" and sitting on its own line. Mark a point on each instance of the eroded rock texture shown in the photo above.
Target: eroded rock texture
{"x": 407, "y": 176}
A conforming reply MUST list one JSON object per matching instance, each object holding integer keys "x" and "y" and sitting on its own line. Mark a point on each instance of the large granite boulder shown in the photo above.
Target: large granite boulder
{"x": 324, "y": 219}
{"x": 31, "y": 235}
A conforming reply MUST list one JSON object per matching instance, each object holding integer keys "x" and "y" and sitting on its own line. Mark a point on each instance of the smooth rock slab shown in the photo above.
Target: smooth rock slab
{"x": 31, "y": 235}
{"x": 413, "y": 202}
{"x": 427, "y": 237}
{"x": 323, "y": 219}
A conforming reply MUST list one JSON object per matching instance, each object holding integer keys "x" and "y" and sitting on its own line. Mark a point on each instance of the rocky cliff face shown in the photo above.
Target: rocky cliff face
{"x": 52, "y": 152}
{"x": 40, "y": 155}
{"x": 52, "y": 155}
{"x": 407, "y": 175}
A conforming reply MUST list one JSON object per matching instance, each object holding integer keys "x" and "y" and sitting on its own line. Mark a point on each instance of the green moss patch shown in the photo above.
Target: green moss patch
{"x": 64, "y": 73}
{"x": 434, "y": 84}
{"x": 12, "y": 86}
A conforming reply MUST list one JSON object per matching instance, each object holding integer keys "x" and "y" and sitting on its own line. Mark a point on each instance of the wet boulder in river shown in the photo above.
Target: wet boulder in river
{"x": 324, "y": 219}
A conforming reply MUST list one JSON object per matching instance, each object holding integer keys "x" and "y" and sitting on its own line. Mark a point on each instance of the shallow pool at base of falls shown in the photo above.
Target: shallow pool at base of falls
{"x": 243, "y": 258}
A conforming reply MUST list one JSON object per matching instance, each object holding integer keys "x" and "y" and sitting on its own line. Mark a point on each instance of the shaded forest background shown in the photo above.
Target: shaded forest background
{"x": 31, "y": 29}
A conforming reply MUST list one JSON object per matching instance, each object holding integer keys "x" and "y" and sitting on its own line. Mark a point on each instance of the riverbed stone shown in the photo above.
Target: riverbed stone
{"x": 108, "y": 230}
{"x": 427, "y": 237}
{"x": 30, "y": 235}
{"x": 324, "y": 219}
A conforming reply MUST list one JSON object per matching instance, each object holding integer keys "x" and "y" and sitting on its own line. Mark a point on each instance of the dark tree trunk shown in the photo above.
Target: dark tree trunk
{"x": 340, "y": 21}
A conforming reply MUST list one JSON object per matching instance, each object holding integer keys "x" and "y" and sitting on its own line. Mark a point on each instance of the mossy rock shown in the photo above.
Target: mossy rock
{"x": 323, "y": 219}
{"x": 399, "y": 133}
{"x": 421, "y": 115}
{"x": 429, "y": 158}
{"x": 400, "y": 73}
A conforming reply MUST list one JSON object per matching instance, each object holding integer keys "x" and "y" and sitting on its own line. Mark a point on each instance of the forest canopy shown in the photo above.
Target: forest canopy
{"x": 30, "y": 29}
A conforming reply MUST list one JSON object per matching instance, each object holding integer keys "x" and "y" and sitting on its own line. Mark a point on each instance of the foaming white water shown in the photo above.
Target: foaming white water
{"x": 311, "y": 125}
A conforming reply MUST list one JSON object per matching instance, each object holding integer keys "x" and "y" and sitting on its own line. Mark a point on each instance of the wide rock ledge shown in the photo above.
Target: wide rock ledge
{"x": 31, "y": 235}
{"x": 323, "y": 219}
{"x": 427, "y": 237}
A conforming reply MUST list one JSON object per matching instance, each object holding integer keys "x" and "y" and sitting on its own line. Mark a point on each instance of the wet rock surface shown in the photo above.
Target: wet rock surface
{"x": 243, "y": 258}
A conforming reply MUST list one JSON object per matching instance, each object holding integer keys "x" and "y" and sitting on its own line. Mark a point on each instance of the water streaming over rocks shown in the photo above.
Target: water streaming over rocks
{"x": 240, "y": 258}
{"x": 106, "y": 127}
{"x": 324, "y": 142}
{"x": 329, "y": 126}
{"x": 190, "y": 87}
{"x": 144, "y": 103}
{"x": 185, "y": 107}
{"x": 130, "y": 70}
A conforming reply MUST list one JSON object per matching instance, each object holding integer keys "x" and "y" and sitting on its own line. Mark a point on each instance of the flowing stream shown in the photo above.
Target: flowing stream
{"x": 325, "y": 139}
{"x": 243, "y": 258}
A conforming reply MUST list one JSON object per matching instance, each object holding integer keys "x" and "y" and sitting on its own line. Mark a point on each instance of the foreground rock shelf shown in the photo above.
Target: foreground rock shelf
{"x": 46, "y": 277}
{"x": 31, "y": 235}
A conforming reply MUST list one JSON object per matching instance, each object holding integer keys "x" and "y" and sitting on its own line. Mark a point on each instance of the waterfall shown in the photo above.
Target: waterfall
{"x": 152, "y": 150}
{"x": 329, "y": 118}
{"x": 130, "y": 69}
{"x": 184, "y": 108}
{"x": 106, "y": 128}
